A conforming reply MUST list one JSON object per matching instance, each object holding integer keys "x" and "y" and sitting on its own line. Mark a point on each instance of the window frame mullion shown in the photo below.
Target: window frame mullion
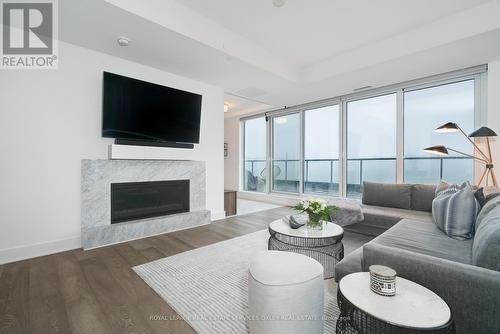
{"x": 343, "y": 149}
{"x": 302, "y": 152}
{"x": 399, "y": 136}
{"x": 269, "y": 153}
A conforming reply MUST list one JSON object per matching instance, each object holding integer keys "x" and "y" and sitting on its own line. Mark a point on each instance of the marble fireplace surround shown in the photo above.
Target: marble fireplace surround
{"x": 97, "y": 176}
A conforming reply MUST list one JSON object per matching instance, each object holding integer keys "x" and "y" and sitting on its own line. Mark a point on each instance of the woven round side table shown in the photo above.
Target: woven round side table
{"x": 413, "y": 310}
{"x": 324, "y": 246}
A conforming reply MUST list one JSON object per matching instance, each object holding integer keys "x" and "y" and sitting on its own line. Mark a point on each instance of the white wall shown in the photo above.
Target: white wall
{"x": 50, "y": 120}
{"x": 232, "y": 161}
{"x": 493, "y": 115}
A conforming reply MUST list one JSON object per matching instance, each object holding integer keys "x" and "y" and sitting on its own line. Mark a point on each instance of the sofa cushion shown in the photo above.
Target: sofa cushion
{"x": 388, "y": 217}
{"x": 425, "y": 238}
{"x": 352, "y": 263}
{"x": 454, "y": 210}
{"x": 416, "y": 236}
{"x": 422, "y": 196}
{"x": 485, "y": 210}
{"x": 387, "y": 195}
{"x": 422, "y": 216}
{"x": 486, "y": 245}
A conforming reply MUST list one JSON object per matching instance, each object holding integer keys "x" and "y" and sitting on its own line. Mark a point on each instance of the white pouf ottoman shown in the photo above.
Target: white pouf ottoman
{"x": 285, "y": 294}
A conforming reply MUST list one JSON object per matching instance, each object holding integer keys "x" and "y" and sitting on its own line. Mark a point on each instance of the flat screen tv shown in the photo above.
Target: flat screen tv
{"x": 146, "y": 112}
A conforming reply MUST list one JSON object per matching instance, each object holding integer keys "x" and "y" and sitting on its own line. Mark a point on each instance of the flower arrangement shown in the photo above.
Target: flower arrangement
{"x": 317, "y": 210}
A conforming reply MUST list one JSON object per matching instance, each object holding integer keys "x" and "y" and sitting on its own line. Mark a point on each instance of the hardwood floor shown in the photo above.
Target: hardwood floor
{"x": 96, "y": 291}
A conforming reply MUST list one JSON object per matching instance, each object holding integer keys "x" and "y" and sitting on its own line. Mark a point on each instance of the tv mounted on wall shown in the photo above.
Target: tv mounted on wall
{"x": 136, "y": 112}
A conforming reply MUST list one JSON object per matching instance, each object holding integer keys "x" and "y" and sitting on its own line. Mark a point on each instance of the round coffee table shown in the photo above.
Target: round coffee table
{"x": 324, "y": 246}
{"x": 414, "y": 308}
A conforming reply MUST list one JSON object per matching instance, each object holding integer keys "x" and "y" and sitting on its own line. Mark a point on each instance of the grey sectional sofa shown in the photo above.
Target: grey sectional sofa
{"x": 384, "y": 205}
{"x": 466, "y": 274}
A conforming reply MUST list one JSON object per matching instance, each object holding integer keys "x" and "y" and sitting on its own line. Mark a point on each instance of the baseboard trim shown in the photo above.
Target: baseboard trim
{"x": 35, "y": 250}
{"x": 46, "y": 248}
{"x": 277, "y": 199}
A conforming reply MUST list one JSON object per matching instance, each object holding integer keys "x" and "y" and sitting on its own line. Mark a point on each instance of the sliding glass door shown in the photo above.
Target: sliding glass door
{"x": 321, "y": 151}
{"x": 425, "y": 110}
{"x": 254, "y": 152}
{"x": 330, "y": 148}
{"x": 371, "y": 142}
{"x": 286, "y": 153}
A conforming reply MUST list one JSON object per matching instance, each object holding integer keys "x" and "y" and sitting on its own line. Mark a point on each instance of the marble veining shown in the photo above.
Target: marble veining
{"x": 97, "y": 176}
{"x": 106, "y": 235}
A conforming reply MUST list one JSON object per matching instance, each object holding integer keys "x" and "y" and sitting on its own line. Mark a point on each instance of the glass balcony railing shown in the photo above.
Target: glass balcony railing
{"x": 321, "y": 176}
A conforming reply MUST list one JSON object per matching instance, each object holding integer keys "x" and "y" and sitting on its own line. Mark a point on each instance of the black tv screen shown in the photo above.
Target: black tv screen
{"x": 139, "y": 110}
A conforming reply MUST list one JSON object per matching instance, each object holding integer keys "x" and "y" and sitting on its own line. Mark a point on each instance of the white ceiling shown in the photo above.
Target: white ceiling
{"x": 307, "y": 31}
{"x": 266, "y": 57}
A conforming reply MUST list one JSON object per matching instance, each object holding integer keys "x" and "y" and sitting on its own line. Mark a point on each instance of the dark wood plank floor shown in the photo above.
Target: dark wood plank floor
{"x": 96, "y": 291}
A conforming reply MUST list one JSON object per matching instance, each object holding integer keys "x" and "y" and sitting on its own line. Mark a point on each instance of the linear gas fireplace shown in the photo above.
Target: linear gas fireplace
{"x": 139, "y": 200}
{"x": 114, "y": 191}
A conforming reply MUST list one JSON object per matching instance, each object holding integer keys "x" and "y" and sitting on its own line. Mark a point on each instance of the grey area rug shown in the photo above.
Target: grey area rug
{"x": 207, "y": 286}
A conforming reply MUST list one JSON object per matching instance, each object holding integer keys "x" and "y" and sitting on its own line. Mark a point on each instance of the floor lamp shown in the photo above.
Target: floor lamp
{"x": 485, "y": 159}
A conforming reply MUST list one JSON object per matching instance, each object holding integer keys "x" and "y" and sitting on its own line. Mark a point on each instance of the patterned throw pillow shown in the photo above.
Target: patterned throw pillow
{"x": 454, "y": 210}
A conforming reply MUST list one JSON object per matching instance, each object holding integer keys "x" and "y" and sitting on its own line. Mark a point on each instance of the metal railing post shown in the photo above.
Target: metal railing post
{"x": 361, "y": 171}
{"x": 307, "y": 171}
{"x": 440, "y": 168}
{"x": 331, "y": 171}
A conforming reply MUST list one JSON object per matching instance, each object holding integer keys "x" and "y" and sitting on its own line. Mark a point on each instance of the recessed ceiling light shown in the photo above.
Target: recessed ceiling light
{"x": 278, "y": 3}
{"x": 123, "y": 41}
{"x": 226, "y": 107}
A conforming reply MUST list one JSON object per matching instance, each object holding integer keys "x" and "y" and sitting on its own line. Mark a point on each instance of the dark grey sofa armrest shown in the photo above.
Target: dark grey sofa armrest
{"x": 473, "y": 293}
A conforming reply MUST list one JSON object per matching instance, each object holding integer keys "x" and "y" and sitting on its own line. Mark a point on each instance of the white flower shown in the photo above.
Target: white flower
{"x": 318, "y": 201}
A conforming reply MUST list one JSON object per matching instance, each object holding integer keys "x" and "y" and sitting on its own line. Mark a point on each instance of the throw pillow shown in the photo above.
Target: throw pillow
{"x": 422, "y": 196}
{"x": 442, "y": 186}
{"x": 485, "y": 210}
{"x": 486, "y": 244}
{"x": 480, "y": 196}
{"x": 454, "y": 210}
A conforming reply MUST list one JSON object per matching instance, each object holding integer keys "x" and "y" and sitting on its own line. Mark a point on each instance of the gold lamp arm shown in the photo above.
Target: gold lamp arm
{"x": 484, "y": 161}
{"x": 487, "y": 159}
{"x": 489, "y": 148}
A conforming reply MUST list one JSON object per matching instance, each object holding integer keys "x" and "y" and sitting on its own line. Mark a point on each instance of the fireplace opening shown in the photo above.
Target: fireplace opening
{"x": 139, "y": 200}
